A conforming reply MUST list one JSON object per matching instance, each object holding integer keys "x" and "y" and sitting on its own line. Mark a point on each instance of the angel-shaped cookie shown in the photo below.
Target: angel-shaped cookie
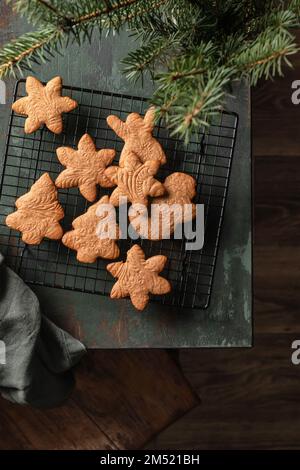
{"x": 89, "y": 238}
{"x": 135, "y": 181}
{"x": 38, "y": 213}
{"x": 136, "y": 132}
{"x": 168, "y": 211}
{"x": 138, "y": 277}
{"x": 44, "y": 105}
{"x": 85, "y": 167}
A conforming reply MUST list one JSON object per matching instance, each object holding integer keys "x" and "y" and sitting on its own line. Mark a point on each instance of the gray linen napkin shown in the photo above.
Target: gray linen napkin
{"x": 38, "y": 355}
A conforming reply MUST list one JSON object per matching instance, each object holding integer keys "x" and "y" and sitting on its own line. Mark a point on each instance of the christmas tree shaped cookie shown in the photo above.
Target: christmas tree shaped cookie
{"x": 135, "y": 181}
{"x": 38, "y": 213}
{"x": 85, "y": 167}
{"x": 44, "y": 105}
{"x": 94, "y": 233}
{"x": 136, "y": 132}
{"x": 138, "y": 277}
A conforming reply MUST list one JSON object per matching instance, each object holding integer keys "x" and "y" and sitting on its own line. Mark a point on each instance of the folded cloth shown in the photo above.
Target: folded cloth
{"x": 36, "y": 356}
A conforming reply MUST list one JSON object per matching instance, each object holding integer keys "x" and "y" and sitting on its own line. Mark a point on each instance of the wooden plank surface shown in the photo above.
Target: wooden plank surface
{"x": 250, "y": 399}
{"x": 122, "y": 400}
{"x": 67, "y": 427}
{"x": 138, "y": 393}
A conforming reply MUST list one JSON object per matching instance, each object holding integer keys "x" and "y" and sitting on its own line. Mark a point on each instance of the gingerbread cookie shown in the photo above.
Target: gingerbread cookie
{"x": 138, "y": 277}
{"x": 137, "y": 134}
{"x": 38, "y": 213}
{"x": 168, "y": 211}
{"x": 85, "y": 167}
{"x": 135, "y": 180}
{"x": 44, "y": 105}
{"x": 87, "y": 237}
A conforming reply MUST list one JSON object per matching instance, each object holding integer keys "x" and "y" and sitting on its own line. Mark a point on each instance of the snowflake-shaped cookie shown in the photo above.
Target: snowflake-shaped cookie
{"x": 85, "y": 167}
{"x": 138, "y": 277}
{"x": 44, "y": 105}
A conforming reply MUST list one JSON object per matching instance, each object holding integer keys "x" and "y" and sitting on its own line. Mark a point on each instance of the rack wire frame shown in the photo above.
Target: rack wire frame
{"x": 208, "y": 158}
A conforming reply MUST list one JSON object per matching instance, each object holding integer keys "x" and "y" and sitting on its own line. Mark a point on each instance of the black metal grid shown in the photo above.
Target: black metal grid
{"x": 207, "y": 158}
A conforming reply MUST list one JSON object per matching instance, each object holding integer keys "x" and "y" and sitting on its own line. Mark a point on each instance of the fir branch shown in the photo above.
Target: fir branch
{"x": 66, "y": 19}
{"x": 192, "y": 48}
{"x": 193, "y": 106}
{"x": 47, "y": 5}
{"x": 73, "y": 15}
{"x": 115, "y": 14}
{"x": 279, "y": 20}
{"x": 147, "y": 56}
{"x": 29, "y": 47}
{"x": 190, "y": 65}
{"x": 112, "y": 16}
{"x": 295, "y": 7}
{"x": 135, "y": 18}
{"x": 264, "y": 57}
{"x": 177, "y": 17}
{"x": 106, "y": 10}
{"x": 40, "y": 12}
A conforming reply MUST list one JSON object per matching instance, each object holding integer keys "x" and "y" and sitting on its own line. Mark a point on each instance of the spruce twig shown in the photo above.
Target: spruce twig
{"x": 192, "y": 49}
{"x": 28, "y": 47}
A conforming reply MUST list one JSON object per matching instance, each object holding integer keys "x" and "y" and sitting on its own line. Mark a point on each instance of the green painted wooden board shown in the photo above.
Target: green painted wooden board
{"x": 103, "y": 323}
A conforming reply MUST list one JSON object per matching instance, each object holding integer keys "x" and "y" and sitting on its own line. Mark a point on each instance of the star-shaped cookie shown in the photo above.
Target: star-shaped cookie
{"x": 135, "y": 181}
{"x": 85, "y": 167}
{"x": 86, "y": 237}
{"x": 138, "y": 277}
{"x": 38, "y": 213}
{"x": 44, "y": 105}
{"x": 136, "y": 132}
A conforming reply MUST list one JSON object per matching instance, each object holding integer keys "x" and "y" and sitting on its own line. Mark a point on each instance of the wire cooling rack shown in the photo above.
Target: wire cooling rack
{"x": 207, "y": 158}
